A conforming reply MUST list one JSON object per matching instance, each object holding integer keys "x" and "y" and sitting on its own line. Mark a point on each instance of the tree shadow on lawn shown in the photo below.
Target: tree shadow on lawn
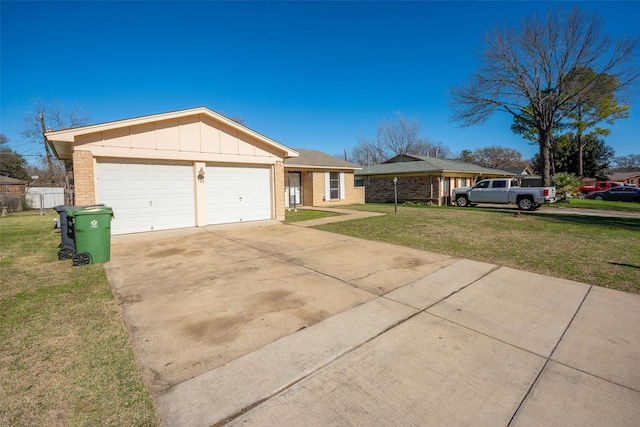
{"x": 592, "y": 220}
{"x": 574, "y": 218}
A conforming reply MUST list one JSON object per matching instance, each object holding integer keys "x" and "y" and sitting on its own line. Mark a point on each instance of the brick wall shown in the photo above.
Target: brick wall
{"x": 84, "y": 178}
{"x": 420, "y": 189}
{"x": 278, "y": 171}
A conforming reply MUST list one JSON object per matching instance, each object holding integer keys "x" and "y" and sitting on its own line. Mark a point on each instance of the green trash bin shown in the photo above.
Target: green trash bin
{"x": 92, "y": 227}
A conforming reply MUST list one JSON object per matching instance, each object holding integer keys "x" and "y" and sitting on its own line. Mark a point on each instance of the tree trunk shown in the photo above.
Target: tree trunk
{"x": 580, "y": 154}
{"x": 545, "y": 156}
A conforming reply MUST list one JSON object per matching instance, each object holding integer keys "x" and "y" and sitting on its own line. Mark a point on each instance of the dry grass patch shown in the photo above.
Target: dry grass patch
{"x": 597, "y": 250}
{"x": 65, "y": 355}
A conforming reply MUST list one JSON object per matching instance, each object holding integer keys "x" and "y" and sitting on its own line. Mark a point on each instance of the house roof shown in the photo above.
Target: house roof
{"x": 425, "y": 164}
{"x": 521, "y": 170}
{"x": 62, "y": 140}
{"x": 313, "y": 159}
{"x": 622, "y": 176}
{"x": 7, "y": 180}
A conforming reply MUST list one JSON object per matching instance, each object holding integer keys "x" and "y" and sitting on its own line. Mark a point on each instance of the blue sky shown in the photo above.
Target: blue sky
{"x": 307, "y": 74}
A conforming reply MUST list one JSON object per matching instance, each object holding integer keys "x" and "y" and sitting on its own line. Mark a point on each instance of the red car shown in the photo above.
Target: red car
{"x": 600, "y": 186}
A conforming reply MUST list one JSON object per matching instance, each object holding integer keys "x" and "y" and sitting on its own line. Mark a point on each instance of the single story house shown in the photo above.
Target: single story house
{"x": 12, "y": 191}
{"x": 628, "y": 177}
{"x": 196, "y": 167}
{"x": 314, "y": 178}
{"x": 526, "y": 176}
{"x": 420, "y": 179}
{"x": 178, "y": 169}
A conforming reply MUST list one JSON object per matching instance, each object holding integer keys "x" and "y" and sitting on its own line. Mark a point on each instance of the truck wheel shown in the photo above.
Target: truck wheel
{"x": 582, "y": 196}
{"x": 526, "y": 204}
{"x": 462, "y": 201}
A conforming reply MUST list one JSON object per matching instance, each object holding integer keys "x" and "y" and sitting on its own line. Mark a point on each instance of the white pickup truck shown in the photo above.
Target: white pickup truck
{"x": 504, "y": 191}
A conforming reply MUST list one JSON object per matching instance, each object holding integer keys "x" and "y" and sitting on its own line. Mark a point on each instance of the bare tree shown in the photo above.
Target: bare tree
{"x": 498, "y": 157}
{"x": 393, "y": 138}
{"x": 525, "y": 73}
{"x": 627, "y": 163}
{"x": 51, "y": 116}
{"x": 47, "y": 116}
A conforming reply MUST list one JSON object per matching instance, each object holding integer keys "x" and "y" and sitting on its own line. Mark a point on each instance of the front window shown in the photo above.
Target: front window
{"x": 483, "y": 184}
{"x": 334, "y": 185}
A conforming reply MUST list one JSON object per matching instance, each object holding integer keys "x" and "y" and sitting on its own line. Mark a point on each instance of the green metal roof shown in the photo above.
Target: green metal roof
{"x": 428, "y": 165}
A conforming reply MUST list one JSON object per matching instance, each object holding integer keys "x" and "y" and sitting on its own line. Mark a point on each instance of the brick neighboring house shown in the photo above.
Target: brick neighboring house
{"x": 421, "y": 179}
{"x": 318, "y": 179}
{"x": 12, "y": 191}
{"x": 628, "y": 177}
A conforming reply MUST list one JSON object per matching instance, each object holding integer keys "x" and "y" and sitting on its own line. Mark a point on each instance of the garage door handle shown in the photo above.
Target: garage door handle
{"x": 240, "y": 198}
{"x": 150, "y": 202}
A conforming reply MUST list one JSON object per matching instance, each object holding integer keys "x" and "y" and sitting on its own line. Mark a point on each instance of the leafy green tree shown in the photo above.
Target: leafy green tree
{"x": 12, "y": 164}
{"x": 582, "y": 117}
{"x": 466, "y": 156}
{"x": 591, "y": 107}
{"x": 597, "y": 155}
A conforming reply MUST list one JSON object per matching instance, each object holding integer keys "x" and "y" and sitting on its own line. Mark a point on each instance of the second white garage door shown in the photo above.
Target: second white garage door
{"x": 147, "y": 197}
{"x": 237, "y": 194}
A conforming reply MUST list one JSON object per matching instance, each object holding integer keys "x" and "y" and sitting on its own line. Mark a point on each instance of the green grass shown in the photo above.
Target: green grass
{"x": 601, "y": 251}
{"x": 575, "y": 203}
{"x": 305, "y": 215}
{"x": 65, "y": 355}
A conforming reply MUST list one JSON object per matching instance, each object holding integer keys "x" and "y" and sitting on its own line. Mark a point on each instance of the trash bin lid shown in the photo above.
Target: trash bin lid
{"x": 90, "y": 210}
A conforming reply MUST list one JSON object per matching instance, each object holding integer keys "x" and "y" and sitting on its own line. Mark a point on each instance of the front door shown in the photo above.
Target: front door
{"x": 295, "y": 189}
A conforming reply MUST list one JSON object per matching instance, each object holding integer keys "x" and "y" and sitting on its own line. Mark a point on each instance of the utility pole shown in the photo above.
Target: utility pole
{"x": 46, "y": 143}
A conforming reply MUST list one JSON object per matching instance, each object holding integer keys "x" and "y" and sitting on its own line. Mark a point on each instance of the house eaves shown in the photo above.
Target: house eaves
{"x": 313, "y": 159}
{"x": 429, "y": 167}
{"x": 62, "y": 140}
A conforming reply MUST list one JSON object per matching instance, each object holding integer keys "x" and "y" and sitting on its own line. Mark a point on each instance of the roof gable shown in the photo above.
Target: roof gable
{"x": 63, "y": 141}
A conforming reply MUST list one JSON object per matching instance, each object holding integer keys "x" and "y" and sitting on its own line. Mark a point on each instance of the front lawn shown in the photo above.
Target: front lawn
{"x": 65, "y": 355}
{"x": 575, "y": 203}
{"x": 601, "y": 251}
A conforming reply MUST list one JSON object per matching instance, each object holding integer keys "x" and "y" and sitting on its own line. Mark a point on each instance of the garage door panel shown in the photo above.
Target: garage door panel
{"x": 147, "y": 197}
{"x": 236, "y": 194}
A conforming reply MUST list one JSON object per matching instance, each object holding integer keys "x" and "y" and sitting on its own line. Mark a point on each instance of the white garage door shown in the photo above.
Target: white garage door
{"x": 236, "y": 194}
{"x": 147, "y": 197}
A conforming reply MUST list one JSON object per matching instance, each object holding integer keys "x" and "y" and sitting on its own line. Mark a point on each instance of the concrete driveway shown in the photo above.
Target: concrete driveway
{"x": 270, "y": 324}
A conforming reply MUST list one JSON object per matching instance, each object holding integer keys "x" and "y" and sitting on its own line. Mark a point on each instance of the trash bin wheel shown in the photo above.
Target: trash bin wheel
{"x": 66, "y": 253}
{"x": 82, "y": 258}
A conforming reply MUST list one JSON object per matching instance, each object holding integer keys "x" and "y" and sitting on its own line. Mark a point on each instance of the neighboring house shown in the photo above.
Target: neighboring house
{"x": 629, "y": 177}
{"x": 520, "y": 171}
{"x": 12, "y": 191}
{"x": 526, "y": 176}
{"x": 421, "y": 179}
{"x": 178, "y": 169}
{"x": 318, "y": 179}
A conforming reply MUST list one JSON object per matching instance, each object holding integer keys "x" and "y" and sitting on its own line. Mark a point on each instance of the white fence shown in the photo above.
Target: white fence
{"x": 44, "y": 197}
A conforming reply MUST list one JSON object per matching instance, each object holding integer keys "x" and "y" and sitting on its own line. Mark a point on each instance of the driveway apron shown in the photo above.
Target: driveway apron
{"x": 271, "y": 324}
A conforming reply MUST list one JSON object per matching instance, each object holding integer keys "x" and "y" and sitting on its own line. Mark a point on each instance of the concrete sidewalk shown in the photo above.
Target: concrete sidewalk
{"x": 419, "y": 340}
